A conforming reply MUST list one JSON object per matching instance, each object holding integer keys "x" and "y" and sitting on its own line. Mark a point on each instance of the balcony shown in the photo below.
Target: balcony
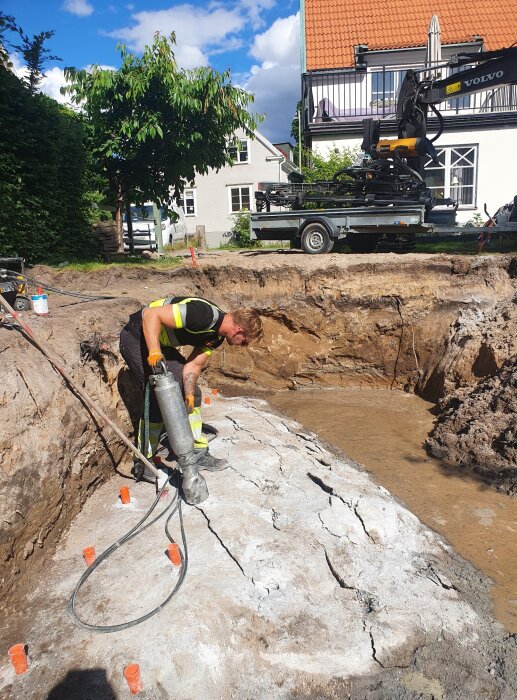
{"x": 345, "y": 97}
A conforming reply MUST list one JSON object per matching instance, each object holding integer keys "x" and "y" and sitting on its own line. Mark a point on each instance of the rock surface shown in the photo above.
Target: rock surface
{"x": 305, "y": 580}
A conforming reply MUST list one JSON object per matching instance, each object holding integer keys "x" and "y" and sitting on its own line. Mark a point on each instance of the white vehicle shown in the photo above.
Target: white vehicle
{"x": 142, "y": 218}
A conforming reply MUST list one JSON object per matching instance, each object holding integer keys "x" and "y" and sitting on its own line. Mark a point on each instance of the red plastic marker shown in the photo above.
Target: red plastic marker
{"x": 18, "y": 658}
{"x": 174, "y": 554}
{"x": 89, "y": 555}
{"x": 124, "y": 495}
{"x": 132, "y": 676}
{"x": 193, "y": 256}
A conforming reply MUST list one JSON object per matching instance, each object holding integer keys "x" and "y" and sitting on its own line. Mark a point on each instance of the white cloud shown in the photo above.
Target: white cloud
{"x": 81, "y": 8}
{"x": 198, "y": 31}
{"x": 52, "y": 82}
{"x": 280, "y": 44}
{"x": 253, "y": 10}
{"x": 275, "y": 81}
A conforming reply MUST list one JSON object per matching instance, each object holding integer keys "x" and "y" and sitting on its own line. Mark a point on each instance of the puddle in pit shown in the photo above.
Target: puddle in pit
{"x": 384, "y": 431}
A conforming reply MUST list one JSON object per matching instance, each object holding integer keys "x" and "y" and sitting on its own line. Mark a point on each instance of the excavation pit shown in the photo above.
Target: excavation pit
{"x": 438, "y": 326}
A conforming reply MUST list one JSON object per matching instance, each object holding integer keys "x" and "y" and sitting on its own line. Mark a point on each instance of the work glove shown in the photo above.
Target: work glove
{"x": 189, "y": 402}
{"x": 154, "y": 359}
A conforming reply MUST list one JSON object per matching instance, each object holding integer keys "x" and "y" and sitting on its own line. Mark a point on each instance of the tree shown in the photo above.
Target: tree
{"x": 45, "y": 177}
{"x": 154, "y": 126}
{"x": 323, "y": 168}
{"x": 34, "y": 52}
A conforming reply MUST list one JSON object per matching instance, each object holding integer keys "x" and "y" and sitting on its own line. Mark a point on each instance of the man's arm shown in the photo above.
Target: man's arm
{"x": 152, "y": 320}
{"x": 191, "y": 371}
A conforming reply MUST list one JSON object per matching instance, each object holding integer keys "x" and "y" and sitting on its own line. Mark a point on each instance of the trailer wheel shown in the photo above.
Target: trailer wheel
{"x": 316, "y": 239}
{"x": 362, "y": 242}
{"x": 22, "y": 304}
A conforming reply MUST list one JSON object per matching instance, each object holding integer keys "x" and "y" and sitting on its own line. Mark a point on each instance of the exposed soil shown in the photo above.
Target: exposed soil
{"x": 437, "y": 325}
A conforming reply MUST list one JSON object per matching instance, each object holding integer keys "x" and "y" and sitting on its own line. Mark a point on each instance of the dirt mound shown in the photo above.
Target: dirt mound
{"x": 477, "y": 429}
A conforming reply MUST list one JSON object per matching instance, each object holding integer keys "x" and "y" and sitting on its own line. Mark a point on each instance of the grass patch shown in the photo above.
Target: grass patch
{"x": 129, "y": 261}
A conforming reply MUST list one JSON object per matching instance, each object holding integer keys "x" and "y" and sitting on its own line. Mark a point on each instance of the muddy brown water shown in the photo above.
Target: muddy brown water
{"x": 385, "y": 431}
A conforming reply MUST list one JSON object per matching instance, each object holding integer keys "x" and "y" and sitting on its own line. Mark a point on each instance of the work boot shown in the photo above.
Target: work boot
{"x": 210, "y": 463}
{"x": 193, "y": 485}
{"x": 141, "y": 472}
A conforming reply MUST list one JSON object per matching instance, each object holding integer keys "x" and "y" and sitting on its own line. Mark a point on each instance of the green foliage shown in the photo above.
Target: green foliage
{"x": 239, "y": 235}
{"x": 44, "y": 210}
{"x": 324, "y": 168}
{"x": 154, "y": 126}
{"x": 477, "y": 220}
{"x": 34, "y": 52}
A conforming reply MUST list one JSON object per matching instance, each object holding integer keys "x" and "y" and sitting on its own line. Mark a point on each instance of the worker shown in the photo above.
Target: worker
{"x": 151, "y": 337}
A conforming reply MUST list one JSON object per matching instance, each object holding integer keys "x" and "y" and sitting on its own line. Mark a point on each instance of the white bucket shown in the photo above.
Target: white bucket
{"x": 40, "y": 304}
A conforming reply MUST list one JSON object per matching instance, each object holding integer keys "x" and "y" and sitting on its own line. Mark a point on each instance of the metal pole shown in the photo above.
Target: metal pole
{"x": 158, "y": 229}
{"x": 130, "y": 229}
{"x": 299, "y": 140}
{"x": 57, "y": 363}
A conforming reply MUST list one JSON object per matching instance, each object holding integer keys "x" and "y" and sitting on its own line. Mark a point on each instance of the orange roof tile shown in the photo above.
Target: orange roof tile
{"x": 334, "y": 27}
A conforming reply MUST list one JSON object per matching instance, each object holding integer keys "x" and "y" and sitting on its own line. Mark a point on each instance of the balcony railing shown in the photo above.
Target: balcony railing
{"x": 349, "y": 95}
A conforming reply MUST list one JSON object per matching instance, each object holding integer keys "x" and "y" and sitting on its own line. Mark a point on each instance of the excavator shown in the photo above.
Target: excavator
{"x": 392, "y": 170}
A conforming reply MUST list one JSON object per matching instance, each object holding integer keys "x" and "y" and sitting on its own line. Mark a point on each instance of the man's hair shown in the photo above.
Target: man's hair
{"x": 251, "y": 323}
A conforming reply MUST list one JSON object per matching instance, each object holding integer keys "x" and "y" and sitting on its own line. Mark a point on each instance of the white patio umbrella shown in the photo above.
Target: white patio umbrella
{"x": 433, "y": 54}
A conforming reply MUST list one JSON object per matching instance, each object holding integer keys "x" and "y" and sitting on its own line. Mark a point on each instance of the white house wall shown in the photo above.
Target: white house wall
{"x": 496, "y": 181}
{"x": 212, "y": 191}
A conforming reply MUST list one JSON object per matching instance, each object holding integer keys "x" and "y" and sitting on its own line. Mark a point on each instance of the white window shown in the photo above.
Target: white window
{"x": 240, "y": 153}
{"x": 386, "y": 87}
{"x": 188, "y": 202}
{"x": 455, "y": 177}
{"x": 240, "y": 198}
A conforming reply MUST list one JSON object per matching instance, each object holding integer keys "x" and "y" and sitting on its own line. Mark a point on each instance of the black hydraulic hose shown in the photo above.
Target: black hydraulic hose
{"x": 174, "y": 506}
{"x": 441, "y": 122}
{"x": 405, "y": 167}
{"x": 56, "y": 290}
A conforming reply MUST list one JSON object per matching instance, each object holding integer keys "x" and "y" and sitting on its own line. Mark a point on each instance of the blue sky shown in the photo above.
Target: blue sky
{"x": 257, "y": 39}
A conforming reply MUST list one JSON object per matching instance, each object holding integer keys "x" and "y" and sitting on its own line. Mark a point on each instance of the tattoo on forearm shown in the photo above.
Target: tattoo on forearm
{"x": 189, "y": 383}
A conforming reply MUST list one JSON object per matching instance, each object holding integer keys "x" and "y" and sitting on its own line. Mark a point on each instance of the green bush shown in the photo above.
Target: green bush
{"x": 44, "y": 177}
{"x": 239, "y": 235}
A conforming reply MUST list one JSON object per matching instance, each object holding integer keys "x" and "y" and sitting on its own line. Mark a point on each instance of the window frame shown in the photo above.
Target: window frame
{"x": 396, "y": 75}
{"x": 453, "y": 163}
{"x": 183, "y": 197}
{"x": 240, "y": 187}
{"x": 237, "y": 160}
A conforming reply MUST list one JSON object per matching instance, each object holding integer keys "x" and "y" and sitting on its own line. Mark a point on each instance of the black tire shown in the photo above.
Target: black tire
{"x": 362, "y": 242}
{"x": 315, "y": 239}
{"x": 22, "y": 304}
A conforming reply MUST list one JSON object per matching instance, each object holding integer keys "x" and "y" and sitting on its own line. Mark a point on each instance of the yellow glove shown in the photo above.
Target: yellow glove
{"x": 189, "y": 402}
{"x": 155, "y": 357}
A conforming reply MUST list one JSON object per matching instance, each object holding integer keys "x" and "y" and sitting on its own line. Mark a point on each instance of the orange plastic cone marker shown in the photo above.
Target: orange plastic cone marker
{"x": 132, "y": 676}
{"x": 89, "y": 555}
{"x": 174, "y": 554}
{"x": 207, "y": 399}
{"x": 18, "y": 658}
{"x": 214, "y": 392}
{"x": 193, "y": 256}
{"x": 124, "y": 494}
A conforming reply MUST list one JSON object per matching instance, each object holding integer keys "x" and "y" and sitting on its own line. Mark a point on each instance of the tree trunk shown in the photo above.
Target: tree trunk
{"x": 119, "y": 203}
